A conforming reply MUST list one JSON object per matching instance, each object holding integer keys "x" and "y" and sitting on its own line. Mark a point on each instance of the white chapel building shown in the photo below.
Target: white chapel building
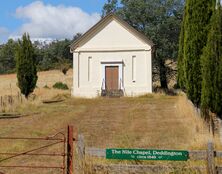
{"x": 112, "y": 58}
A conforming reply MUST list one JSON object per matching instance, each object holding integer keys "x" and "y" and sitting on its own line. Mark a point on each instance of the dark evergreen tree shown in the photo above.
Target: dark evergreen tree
{"x": 180, "y": 59}
{"x": 196, "y": 27}
{"x": 211, "y": 98}
{"x": 217, "y": 93}
{"x": 26, "y": 66}
{"x": 208, "y": 72}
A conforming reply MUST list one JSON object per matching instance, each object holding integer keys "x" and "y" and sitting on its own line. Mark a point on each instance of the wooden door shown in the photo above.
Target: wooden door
{"x": 112, "y": 77}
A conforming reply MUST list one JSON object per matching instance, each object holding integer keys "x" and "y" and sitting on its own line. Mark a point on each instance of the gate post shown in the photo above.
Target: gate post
{"x": 211, "y": 169}
{"x": 70, "y": 150}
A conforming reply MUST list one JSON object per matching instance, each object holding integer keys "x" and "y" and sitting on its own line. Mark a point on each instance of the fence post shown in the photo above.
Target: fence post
{"x": 81, "y": 153}
{"x": 81, "y": 146}
{"x": 70, "y": 150}
{"x": 211, "y": 169}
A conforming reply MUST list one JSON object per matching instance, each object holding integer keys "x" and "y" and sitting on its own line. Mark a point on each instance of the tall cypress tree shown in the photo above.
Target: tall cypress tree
{"x": 180, "y": 58}
{"x": 26, "y": 66}
{"x": 216, "y": 39}
{"x": 196, "y": 27}
{"x": 211, "y": 97}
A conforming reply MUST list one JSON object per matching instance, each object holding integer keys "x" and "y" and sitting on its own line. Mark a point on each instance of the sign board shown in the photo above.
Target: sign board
{"x": 144, "y": 154}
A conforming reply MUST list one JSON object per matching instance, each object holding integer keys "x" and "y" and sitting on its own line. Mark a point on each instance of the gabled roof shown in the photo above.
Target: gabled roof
{"x": 93, "y": 29}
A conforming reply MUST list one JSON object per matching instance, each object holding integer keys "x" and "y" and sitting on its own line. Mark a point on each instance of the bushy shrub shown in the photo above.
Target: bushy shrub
{"x": 60, "y": 85}
{"x": 46, "y": 87}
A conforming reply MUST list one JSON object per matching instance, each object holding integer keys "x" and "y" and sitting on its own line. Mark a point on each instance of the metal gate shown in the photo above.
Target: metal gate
{"x": 66, "y": 151}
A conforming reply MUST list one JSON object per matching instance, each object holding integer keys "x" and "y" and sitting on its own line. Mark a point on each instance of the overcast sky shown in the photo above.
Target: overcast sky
{"x": 55, "y": 19}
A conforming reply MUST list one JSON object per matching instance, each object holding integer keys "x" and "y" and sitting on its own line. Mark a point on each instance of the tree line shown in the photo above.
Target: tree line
{"x": 55, "y": 55}
{"x": 200, "y": 55}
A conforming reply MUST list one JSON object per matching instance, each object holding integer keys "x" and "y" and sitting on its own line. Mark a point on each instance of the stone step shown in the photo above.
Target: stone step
{"x": 112, "y": 93}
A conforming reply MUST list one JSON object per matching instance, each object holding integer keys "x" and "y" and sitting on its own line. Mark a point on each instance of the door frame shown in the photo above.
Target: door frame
{"x": 112, "y": 63}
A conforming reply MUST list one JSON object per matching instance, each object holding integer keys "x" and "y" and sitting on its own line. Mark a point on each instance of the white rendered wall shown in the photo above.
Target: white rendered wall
{"x": 83, "y": 87}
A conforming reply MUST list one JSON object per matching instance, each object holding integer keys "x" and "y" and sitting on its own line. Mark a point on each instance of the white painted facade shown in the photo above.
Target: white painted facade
{"x": 111, "y": 43}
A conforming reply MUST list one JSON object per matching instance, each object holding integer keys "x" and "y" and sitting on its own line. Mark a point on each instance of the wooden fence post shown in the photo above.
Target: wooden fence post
{"x": 81, "y": 147}
{"x": 81, "y": 153}
{"x": 211, "y": 169}
{"x": 70, "y": 150}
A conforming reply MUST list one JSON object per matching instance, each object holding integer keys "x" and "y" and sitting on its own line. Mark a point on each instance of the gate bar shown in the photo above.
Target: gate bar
{"x": 35, "y": 154}
{"x": 22, "y": 138}
{"x": 20, "y": 154}
{"x": 43, "y": 167}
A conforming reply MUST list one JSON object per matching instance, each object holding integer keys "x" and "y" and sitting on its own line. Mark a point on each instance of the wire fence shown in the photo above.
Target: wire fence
{"x": 8, "y": 103}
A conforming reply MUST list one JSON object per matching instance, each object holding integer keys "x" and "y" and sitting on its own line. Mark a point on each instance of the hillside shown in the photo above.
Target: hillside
{"x": 150, "y": 121}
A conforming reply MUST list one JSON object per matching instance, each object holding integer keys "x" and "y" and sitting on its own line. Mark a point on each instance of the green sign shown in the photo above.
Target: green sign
{"x": 144, "y": 154}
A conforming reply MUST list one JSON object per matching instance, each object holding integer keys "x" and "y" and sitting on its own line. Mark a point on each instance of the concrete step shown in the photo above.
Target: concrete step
{"x": 112, "y": 93}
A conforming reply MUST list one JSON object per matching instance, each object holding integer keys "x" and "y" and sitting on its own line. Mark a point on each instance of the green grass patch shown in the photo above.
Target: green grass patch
{"x": 60, "y": 85}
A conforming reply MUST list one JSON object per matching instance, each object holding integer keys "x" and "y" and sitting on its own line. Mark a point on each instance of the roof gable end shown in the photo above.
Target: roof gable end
{"x": 105, "y": 28}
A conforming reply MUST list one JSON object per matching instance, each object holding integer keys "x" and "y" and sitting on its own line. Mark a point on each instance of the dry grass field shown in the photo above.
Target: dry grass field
{"x": 8, "y": 82}
{"x": 150, "y": 121}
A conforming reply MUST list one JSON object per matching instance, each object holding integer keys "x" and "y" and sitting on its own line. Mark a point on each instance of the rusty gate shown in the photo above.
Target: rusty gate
{"x": 66, "y": 152}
